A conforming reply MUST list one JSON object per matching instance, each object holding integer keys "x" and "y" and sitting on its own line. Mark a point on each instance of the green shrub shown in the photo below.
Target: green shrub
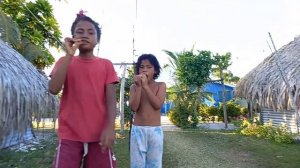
{"x": 277, "y": 134}
{"x": 179, "y": 115}
{"x": 209, "y": 113}
{"x": 233, "y": 109}
{"x": 203, "y": 112}
{"x": 184, "y": 114}
{"x": 127, "y": 115}
{"x": 244, "y": 111}
{"x": 213, "y": 111}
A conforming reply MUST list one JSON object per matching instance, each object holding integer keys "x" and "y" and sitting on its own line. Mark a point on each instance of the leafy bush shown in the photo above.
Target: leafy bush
{"x": 232, "y": 108}
{"x": 184, "y": 114}
{"x": 209, "y": 113}
{"x": 277, "y": 134}
{"x": 203, "y": 112}
{"x": 244, "y": 111}
{"x": 127, "y": 115}
{"x": 213, "y": 111}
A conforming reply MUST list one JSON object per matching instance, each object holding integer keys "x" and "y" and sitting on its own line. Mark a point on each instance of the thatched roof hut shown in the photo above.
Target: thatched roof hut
{"x": 23, "y": 94}
{"x": 275, "y": 83}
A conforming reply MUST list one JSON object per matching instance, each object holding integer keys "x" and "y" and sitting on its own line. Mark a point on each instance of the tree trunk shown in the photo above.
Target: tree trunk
{"x": 250, "y": 110}
{"x": 224, "y": 102}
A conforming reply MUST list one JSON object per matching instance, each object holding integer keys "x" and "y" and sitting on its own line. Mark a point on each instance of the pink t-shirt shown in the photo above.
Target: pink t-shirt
{"x": 82, "y": 114}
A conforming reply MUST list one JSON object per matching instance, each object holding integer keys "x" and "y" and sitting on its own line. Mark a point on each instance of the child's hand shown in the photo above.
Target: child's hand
{"x": 107, "y": 139}
{"x": 137, "y": 80}
{"x": 144, "y": 79}
{"x": 71, "y": 45}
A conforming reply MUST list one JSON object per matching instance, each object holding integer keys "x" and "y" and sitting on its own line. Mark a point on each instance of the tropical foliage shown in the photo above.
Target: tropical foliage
{"x": 184, "y": 114}
{"x": 128, "y": 83}
{"x": 30, "y": 28}
{"x": 194, "y": 69}
{"x": 220, "y": 68}
{"x": 233, "y": 109}
{"x": 191, "y": 71}
{"x": 267, "y": 131}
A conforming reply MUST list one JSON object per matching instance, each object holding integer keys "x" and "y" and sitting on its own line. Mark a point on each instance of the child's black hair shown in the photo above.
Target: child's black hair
{"x": 152, "y": 59}
{"x": 82, "y": 17}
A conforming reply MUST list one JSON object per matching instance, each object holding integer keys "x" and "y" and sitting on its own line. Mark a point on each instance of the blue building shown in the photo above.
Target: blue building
{"x": 216, "y": 92}
{"x": 166, "y": 107}
{"x": 213, "y": 89}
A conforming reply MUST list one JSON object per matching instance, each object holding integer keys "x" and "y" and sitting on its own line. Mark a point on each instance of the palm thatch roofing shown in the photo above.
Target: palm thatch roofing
{"x": 275, "y": 82}
{"x": 23, "y": 94}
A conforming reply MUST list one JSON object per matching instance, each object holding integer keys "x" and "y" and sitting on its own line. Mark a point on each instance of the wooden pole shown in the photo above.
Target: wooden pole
{"x": 122, "y": 105}
{"x": 250, "y": 109}
{"x": 122, "y": 93}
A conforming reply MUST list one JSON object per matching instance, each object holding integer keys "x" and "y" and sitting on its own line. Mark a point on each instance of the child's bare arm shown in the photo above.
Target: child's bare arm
{"x": 108, "y": 134}
{"x": 156, "y": 100}
{"x": 111, "y": 104}
{"x": 58, "y": 79}
{"x": 135, "y": 97}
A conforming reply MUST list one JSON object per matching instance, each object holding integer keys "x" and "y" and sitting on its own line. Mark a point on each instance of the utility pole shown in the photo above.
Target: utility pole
{"x": 123, "y": 79}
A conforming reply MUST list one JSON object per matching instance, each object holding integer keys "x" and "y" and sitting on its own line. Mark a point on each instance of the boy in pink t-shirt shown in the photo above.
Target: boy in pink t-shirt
{"x": 88, "y": 105}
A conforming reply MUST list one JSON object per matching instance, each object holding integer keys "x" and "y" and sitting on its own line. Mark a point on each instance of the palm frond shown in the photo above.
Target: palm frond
{"x": 172, "y": 58}
{"x": 207, "y": 95}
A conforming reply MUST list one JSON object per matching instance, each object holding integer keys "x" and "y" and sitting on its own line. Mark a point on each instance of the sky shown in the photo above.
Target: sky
{"x": 237, "y": 26}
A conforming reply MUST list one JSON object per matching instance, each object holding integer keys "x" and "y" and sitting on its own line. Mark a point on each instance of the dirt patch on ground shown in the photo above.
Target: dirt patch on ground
{"x": 36, "y": 143}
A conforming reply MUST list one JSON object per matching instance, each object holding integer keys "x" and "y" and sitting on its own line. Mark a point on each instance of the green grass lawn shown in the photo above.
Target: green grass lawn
{"x": 184, "y": 149}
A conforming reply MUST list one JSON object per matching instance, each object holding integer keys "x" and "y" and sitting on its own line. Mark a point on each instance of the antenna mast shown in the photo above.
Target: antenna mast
{"x": 133, "y": 31}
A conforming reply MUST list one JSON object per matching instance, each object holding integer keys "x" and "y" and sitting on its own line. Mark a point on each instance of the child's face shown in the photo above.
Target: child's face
{"x": 147, "y": 68}
{"x": 86, "y": 31}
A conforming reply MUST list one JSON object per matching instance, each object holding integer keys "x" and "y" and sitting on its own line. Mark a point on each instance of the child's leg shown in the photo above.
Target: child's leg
{"x": 155, "y": 148}
{"x": 95, "y": 158}
{"x": 138, "y": 147}
{"x": 68, "y": 155}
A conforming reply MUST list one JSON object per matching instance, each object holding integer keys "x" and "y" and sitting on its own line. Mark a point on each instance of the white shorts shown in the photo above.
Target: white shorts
{"x": 146, "y": 146}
